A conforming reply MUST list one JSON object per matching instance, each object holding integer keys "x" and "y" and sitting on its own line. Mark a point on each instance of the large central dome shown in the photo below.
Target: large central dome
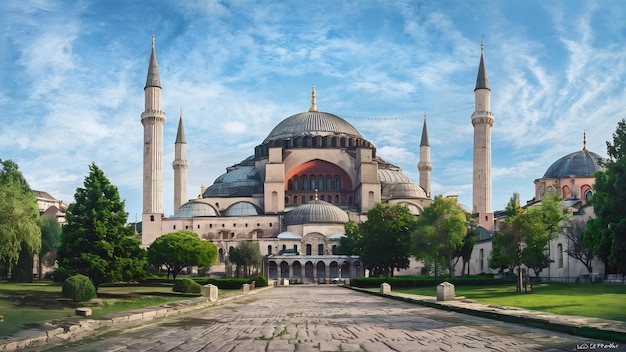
{"x": 312, "y": 123}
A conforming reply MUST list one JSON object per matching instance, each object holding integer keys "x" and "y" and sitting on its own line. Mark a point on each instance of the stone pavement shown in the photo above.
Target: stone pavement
{"x": 349, "y": 323}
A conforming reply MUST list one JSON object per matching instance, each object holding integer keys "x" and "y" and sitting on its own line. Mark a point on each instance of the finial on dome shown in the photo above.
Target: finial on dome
{"x": 313, "y": 107}
{"x": 316, "y": 195}
{"x": 584, "y": 140}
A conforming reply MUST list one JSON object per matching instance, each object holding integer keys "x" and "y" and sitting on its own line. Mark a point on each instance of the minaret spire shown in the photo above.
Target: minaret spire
{"x": 313, "y": 107}
{"x": 584, "y": 140}
{"x": 152, "y": 119}
{"x": 482, "y": 120}
{"x": 424, "y": 166}
{"x": 180, "y": 165}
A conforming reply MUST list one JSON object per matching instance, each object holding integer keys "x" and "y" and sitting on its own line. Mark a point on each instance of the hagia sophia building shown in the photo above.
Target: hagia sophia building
{"x": 312, "y": 174}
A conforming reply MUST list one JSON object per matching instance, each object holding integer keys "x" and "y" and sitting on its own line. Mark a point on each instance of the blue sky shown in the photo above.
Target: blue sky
{"x": 72, "y": 77}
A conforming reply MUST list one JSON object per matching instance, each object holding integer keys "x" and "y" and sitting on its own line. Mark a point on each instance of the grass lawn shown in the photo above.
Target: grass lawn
{"x": 29, "y": 304}
{"x": 588, "y": 300}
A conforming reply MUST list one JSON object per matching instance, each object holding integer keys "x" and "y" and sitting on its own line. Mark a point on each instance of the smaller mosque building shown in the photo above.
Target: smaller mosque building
{"x": 572, "y": 178}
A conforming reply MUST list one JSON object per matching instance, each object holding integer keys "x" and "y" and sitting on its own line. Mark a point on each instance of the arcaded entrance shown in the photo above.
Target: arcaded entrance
{"x": 313, "y": 269}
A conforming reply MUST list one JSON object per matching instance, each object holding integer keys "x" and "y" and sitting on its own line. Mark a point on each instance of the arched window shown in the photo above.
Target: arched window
{"x": 336, "y": 199}
{"x": 313, "y": 183}
{"x": 330, "y": 199}
{"x": 151, "y": 217}
{"x": 481, "y": 258}
{"x": 296, "y": 183}
{"x": 559, "y": 256}
{"x": 322, "y": 197}
{"x": 295, "y": 200}
{"x": 588, "y": 195}
{"x": 337, "y": 183}
{"x": 305, "y": 183}
{"x": 329, "y": 183}
{"x": 320, "y": 182}
{"x": 286, "y": 200}
{"x": 308, "y": 249}
{"x": 310, "y": 198}
{"x": 269, "y": 250}
{"x": 290, "y": 185}
{"x": 320, "y": 249}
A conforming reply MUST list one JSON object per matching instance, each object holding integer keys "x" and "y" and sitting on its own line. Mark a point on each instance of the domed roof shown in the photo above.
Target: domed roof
{"x": 242, "y": 209}
{"x": 316, "y": 211}
{"x": 312, "y": 123}
{"x": 406, "y": 190}
{"x": 241, "y": 181}
{"x": 582, "y": 163}
{"x": 194, "y": 209}
{"x": 392, "y": 175}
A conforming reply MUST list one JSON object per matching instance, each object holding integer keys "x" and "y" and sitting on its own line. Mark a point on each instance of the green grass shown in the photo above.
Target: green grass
{"x": 588, "y": 300}
{"x": 24, "y": 305}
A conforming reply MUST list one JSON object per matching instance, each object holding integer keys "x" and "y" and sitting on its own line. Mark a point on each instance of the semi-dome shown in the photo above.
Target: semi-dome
{"x": 406, "y": 190}
{"x": 243, "y": 209}
{"x": 316, "y": 211}
{"x": 392, "y": 175}
{"x": 312, "y": 123}
{"x": 241, "y": 181}
{"x": 194, "y": 209}
{"x": 582, "y": 163}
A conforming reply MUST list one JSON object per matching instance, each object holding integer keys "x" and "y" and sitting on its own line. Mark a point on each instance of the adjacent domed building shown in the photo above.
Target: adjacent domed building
{"x": 571, "y": 177}
{"x": 312, "y": 174}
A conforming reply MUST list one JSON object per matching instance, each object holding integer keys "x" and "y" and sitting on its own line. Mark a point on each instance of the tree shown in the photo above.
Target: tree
{"x": 606, "y": 233}
{"x": 95, "y": 241}
{"x": 546, "y": 223}
{"x": 50, "y": 241}
{"x": 20, "y": 236}
{"x": 246, "y": 255}
{"x": 465, "y": 252}
{"x": 441, "y": 232}
{"x": 525, "y": 234}
{"x": 178, "y": 250}
{"x": 383, "y": 240}
{"x": 576, "y": 248}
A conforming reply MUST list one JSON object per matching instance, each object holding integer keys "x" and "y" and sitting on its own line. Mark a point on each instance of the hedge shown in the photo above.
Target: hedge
{"x": 425, "y": 281}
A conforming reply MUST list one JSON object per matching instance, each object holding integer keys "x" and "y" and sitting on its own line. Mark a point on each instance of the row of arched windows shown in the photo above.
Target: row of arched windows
{"x": 313, "y": 182}
{"x": 302, "y": 199}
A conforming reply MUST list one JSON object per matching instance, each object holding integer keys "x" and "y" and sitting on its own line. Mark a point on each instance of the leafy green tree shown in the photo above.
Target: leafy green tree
{"x": 441, "y": 232}
{"x": 383, "y": 241}
{"x": 577, "y": 249}
{"x": 178, "y": 250}
{"x": 246, "y": 255}
{"x": 525, "y": 235}
{"x": 50, "y": 241}
{"x": 20, "y": 236}
{"x": 465, "y": 251}
{"x": 95, "y": 240}
{"x": 606, "y": 233}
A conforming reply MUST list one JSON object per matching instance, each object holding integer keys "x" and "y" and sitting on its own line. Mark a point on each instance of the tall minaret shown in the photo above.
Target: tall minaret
{"x": 153, "y": 119}
{"x": 482, "y": 119}
{"x": 424, "y": 166}
{"x": 180, "y": 165}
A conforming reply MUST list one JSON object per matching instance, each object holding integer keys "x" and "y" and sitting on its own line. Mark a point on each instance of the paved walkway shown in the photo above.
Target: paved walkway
{"x": 324, "y": 318}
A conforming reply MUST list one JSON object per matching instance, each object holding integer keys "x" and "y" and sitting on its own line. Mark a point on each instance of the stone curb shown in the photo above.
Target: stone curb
{"x": 77, "y": 327}
{"x": 579, "y": 326}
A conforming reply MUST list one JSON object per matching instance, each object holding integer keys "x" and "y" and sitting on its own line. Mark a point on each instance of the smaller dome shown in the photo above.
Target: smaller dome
{"x": 194, "y": 209}
{"x": 289, "y": 236}
{"x": 406, "y": 190}
{"x": 241, "y": 181}
{"x": 316, "y": 211}
{"x": 336, "y": 236}
{"x": 392, "y": 175}
{"x": 242, "y": 209}
{"x": 582, "y": 163}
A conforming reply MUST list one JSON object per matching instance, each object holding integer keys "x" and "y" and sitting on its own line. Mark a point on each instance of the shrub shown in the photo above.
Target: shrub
{"x": 187, "y": 285}
{"x": 60, "y": 275}
{"x": 260, "y": 281}
{"x": 79, "y": 288}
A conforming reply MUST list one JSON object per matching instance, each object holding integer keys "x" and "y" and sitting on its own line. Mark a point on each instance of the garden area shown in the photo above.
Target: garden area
{"x": 605, "y": 301}
{"x": 30, "y": 304}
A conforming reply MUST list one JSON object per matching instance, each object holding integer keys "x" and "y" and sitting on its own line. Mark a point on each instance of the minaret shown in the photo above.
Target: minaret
{"x": 482, "y": 119}
{"x": 424, "y": 165}
{"x": 180, "y": 166}
{"x": 152, "y": 119}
